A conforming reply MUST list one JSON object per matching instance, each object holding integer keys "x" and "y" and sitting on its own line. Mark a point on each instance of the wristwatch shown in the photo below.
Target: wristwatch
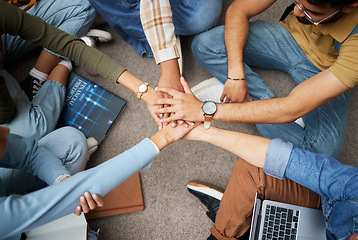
{"x": 209, "y": 109}
{"x": 142, "y": 88}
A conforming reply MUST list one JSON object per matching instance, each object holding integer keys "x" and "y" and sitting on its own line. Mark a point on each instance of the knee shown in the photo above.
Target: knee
{"x": 77, "y": 151}
{"x": 207, "y": 43}
{"x": 74, "y": 17}
{"x": 199, "y": 44}
{"x": 75, "y": 138}
{"x": 205, "y": 15}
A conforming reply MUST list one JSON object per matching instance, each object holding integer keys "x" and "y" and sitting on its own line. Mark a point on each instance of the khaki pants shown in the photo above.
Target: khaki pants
{"x": 234, "y": 215}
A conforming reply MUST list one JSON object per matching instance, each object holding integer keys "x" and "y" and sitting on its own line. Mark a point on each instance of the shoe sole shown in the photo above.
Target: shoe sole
{"x": 207, "y": 189}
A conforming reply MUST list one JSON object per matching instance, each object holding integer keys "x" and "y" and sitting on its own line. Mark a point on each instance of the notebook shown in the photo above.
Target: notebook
{"x": 276, "y": 220}
{"x": 70, "y": 227}
{"x": 125, "y": 198}
{"x": 90, "y": 108}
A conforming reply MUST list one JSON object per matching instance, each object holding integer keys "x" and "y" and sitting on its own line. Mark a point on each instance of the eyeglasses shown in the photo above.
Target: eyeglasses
{"x": 309, "y": 18}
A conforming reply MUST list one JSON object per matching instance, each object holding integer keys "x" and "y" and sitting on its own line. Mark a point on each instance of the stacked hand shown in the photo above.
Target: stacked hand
{"x": 182, "y": 105}
{"x": 235, "y": 91}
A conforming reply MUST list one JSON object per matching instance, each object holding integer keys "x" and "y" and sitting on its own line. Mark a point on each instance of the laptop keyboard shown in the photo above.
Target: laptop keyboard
{"x": 280, "y": 223}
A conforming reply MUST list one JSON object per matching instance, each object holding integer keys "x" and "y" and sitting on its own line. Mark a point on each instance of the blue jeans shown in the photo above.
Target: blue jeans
{"x": 67, "y": 143}
{"x": 189, "y": 17}
{"x": 72, "y": 16}
{"x": 271, "y": 46}
{"x": 37, "y": 118}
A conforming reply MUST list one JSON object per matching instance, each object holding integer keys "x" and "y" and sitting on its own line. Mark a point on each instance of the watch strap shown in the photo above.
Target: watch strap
{"x": 207, "y": 121}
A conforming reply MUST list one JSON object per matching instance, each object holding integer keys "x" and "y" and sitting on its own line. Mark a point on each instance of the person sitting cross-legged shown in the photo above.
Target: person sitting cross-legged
{"x": 61, "y": 190}
{"x": 281, "y": 172}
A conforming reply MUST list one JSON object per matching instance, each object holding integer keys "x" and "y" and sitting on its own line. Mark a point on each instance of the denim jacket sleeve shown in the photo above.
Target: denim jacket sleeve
{"x": 320, "y": 173}
{"x": 24, "y": 153}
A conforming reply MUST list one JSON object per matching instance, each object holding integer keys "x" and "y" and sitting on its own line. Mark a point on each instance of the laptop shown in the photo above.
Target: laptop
{"x": 276, "y": 220}
{"x": 90, "y": 108}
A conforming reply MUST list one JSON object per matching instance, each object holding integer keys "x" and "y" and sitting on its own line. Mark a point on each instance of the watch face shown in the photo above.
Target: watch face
{"x": 209, "y": 108}
{"x": 142, "y": 88}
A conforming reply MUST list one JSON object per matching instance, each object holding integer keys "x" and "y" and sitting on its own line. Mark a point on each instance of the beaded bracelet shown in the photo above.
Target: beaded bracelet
{"x": 237, "y": 79}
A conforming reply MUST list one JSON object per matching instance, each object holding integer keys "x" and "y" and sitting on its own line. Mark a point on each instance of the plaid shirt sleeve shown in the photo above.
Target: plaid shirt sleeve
{"x": 157, "y": 22}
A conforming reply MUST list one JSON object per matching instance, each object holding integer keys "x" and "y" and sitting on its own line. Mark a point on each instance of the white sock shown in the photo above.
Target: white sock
{"x": 38, "y": 75}
{"x": 67, "y": 63}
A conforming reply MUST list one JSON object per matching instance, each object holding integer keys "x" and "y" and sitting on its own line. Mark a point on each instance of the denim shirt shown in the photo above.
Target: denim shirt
{"x": 335, "y": 182}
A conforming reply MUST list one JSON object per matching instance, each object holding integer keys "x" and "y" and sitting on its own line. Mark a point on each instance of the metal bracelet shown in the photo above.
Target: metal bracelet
{"x": 237, "y": 79}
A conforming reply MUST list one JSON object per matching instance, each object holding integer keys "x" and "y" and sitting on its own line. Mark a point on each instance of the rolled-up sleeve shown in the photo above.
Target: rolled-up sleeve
{"x": 277, "y": 156}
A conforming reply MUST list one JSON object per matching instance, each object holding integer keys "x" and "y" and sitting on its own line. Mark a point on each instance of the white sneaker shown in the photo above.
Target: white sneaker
{"x": 180, "y": 60}
{"x": 92, "y": 145}
{"x": 210, "y": 89}
{"x": 95, "y": 35}
{"x": 89, "y": 41}
{"x": 99, "y": 35}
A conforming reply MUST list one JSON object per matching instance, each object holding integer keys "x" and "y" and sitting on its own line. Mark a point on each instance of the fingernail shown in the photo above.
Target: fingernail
{"x": 87, "y": 194}
{"x": 94, "y": 196}
{"x": 78, "y": 208}
{"x": 156, "y": 88}
{"x": 192, "y": 123}
{"x": 83, "y": 199}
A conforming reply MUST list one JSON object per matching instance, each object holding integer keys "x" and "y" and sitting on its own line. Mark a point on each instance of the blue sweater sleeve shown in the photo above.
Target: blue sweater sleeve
{"x": 21, "y": 213}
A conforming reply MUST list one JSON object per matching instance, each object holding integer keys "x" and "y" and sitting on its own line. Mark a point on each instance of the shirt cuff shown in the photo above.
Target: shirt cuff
{"x": 166, "y": 54}
{"x": 277, "y": 156}
{"x": 157, "y": 151}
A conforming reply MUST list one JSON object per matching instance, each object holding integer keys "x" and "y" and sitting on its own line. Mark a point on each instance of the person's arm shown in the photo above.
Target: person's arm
{"x": 157, "y": 21}
{"x": 280, "y": 159}
{"x": 236, "y": 32}
{"x": 318, "y": 172}
{"x": 14, "y": 21}
{"x": 304, "y": 98}
{"x": 55, "y": 201}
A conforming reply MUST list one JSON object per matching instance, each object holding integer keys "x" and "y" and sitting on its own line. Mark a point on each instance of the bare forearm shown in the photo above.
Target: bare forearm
{"x": 170, "y": 74}
{"x": 304, "y": 98}
{"x": 131, "y": 82}
{"x": 262, "y": 111}
{"x": 249, "y": 147}
{"x": 236, "y": 32}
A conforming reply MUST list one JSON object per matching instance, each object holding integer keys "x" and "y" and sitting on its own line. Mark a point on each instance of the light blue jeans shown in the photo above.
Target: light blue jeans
{"x": 67, "y": 143}
{"x": 189, "y": 17}
{"x": 271, "y": 46}
{"x": 37, "y": 118}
